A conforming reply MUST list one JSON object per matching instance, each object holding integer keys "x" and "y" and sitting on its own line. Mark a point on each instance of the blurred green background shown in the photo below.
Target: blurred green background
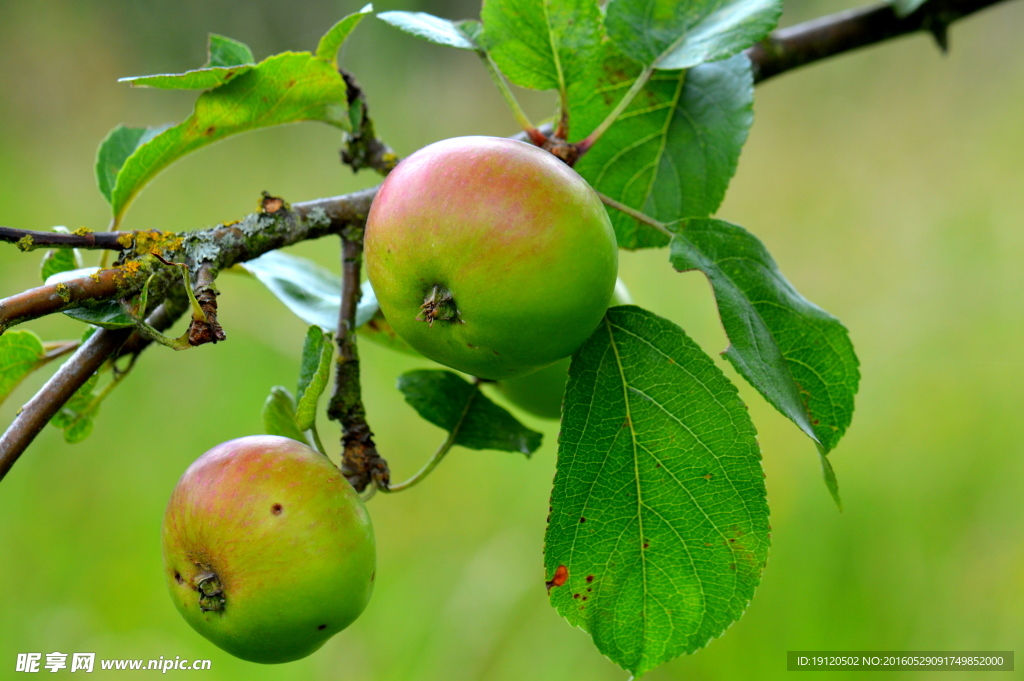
{"x": 889, "y": 185}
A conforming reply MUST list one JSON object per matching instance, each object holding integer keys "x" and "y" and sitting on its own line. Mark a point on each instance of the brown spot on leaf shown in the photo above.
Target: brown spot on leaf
{"x": 708, "y": 476}
{"x": 322, "y": 627}
{"x": 575, "y": 595}
{"x": 732, "y": 566}
{"x": 646, "y": 545}
{"x": 590, "y": 578}
{"x": 210, "y": 130}
{"x": 276, "y": 509}
{"x": 560, "y": 578}
{"x": 583, "y": 520}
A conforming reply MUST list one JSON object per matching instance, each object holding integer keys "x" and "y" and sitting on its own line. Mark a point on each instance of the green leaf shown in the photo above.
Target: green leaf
{"x": 670, "y": 34}
{"x": 107, "y": 314}
{"x": 543, "y": 44}
{"x": 314, "y": 375}
{"x": 903, "y": 8}
{"x": 59, "y": 260}
{"x": 659, "y": 524}
{"x": 279, "y": 415}
{"x": 472, "y": 29}
{"x": 673, "y": 151}
{"x": 119, "y": 144}
{"x": 451, "y": 403}
{"x": 285, "y": 88}
{"x": 798, "y": 356}
{"x": 379, "y": 330}
{"x": 223, "y": 51}
{"x": 77, "y": 417}
{"x": 307, "y": 289}
{"x": 20, "y": 354}
{"x": 368, "y": 308}
{"x": 428, "y": 27}
{"x": 333, "y": 39}
{"x": 226, "y": 59}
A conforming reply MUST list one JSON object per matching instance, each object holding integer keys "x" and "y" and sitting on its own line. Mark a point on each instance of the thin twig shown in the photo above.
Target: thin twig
{"x": 28, "y": 240}
{"x": 45, "y": 300}
{"x": 205, "y": 328}
{"x": 34, "y": 416}
{"x": 361, "y": 464}
{"x": 811, "y": 41}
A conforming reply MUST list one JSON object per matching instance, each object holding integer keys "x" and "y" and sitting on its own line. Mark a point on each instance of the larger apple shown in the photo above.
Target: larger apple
{"x": 268, "y": 550}
{"x": 490, "y": 255}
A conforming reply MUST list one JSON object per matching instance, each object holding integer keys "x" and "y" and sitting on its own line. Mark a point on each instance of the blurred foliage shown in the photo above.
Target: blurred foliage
{"x": 887, "y": 184}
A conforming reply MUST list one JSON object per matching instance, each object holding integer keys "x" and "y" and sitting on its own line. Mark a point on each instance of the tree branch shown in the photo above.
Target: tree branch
{"x": 34, "y": 416}
{"x": 360, "y": 462}
{"x": 45, "y": 300}
{"x": 811, "y": 41}
{"x": 363, "y": 149}
{"x": 28, "y": 240}
{"x": 211, "y": 250}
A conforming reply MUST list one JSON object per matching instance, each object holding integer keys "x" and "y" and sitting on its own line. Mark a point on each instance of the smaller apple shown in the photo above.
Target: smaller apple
{"x": 268, "y": 550}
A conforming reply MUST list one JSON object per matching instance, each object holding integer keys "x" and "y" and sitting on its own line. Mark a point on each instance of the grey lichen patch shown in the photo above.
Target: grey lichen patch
{"x": 317, "y": 218}
{"x": 201, "y": 247}
{"x": 254, "y": 223}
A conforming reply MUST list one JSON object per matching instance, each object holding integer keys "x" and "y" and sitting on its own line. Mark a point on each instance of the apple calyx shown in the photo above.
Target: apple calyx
{"x": 211, "y": 594}
{"x": 439, "y": 305}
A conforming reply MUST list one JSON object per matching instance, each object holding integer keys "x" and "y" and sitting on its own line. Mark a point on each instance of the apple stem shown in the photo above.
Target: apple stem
{"x": 315, "y": 435}
{"x": 536, "y": 136}
{"x": 441, "y": 451}
{"x": 431, "y": 464}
